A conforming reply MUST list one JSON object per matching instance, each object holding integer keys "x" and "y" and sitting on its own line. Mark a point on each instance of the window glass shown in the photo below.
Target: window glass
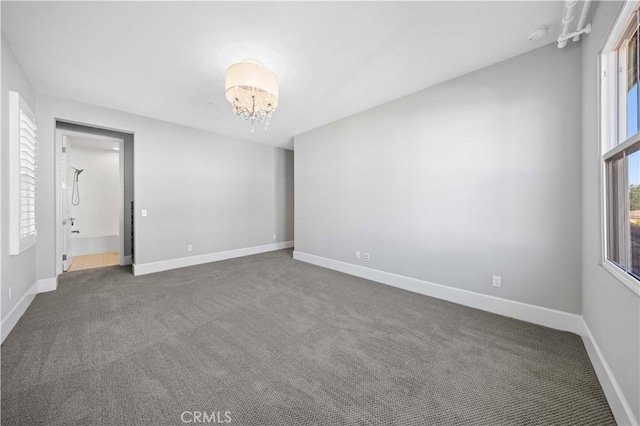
{"x": 632, "y": 86}
{"x": 633, "y": 165}
{"x": 616, "y": 182}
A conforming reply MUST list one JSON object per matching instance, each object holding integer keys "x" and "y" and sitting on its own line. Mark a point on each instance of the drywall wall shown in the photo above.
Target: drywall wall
{"x": 18, "y": 271}
{"x": 94, "y": 245}
{"x": 475, "y": 177}
{"x": 214, "y": 192}
{"x": 610, "y": 309}
{"x": 98, "y": 211}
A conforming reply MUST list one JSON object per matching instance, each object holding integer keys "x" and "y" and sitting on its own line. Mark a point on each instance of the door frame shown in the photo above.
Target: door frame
{"x": 124, "y": 260}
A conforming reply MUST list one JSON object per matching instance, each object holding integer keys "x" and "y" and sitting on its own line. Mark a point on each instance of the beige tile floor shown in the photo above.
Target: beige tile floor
{"x": 91, "y": 261}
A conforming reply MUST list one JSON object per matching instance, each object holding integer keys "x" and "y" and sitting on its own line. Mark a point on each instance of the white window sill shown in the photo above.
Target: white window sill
{"x": 623, "y": 277}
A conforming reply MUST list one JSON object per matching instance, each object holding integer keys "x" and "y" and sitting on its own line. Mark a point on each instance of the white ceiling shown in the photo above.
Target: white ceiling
{"x": 166, "y": 60}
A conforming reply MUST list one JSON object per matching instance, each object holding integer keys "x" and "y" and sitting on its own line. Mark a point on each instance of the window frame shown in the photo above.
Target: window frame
{"x": 613, "y": 124}
{"x": 18, "y": 242}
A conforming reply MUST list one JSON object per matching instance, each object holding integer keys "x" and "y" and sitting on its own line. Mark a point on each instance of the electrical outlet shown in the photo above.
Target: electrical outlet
{"x": 497, "y": 281}
{"x": 144, "y": 213}
{"x": 9, "y": 293}
{"x": 274, "y": 236}
{"x": 190, "y": 247}
{"x": 367, "y": 257}
{"x": 357, "y": 255}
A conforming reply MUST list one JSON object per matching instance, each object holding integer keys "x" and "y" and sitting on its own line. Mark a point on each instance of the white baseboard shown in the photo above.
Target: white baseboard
{"x": 47, "y": 284}
{"x": 523, "y": 311}
{"x": 11, "y": 319}
{"x": 165, "y": 265}
{"x": 616, "y": 399}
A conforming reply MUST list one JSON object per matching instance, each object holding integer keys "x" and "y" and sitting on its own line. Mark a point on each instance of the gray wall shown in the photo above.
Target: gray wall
{"x": 215, "y": 192}
{"x": 19, "y": 271}
{"x": 474, "y": 177}
{"x": 610, "y": 309}
{"x": 128, "y": 171}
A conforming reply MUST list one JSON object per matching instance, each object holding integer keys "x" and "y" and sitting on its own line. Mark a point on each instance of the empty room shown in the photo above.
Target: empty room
{"x": 320, "y": 213}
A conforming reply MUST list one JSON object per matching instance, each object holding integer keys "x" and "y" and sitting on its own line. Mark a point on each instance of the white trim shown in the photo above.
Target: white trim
{"x": 523, "y": 311}
{"x": 165, "y": 265}
{"x": 122, "y": 208}
{"x": 608, "y": 107}
{"x": 622, "y": 276}
{"x": 621, "y": 147}
{"x": 620, "y": 26}
{"x": 611, "y": 108}
{"x": 607, "y": 111}
{"x": 621, "y": 95}
{"x": 10, "y": 321}
{"x": 616, "y": 399}
{"x": 40, "y": 286}
{"x": 47, "y": 284}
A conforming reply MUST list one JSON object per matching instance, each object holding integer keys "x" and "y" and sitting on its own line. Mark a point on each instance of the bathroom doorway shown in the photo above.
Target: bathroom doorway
{"x": 92, "y": 199}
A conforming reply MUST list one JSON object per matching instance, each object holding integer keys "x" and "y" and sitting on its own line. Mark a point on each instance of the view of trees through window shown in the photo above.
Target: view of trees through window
{"x": 622, "y": 166}
{"x": 634, "y": 211}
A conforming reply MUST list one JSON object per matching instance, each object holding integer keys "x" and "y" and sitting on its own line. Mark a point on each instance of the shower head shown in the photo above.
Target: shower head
{"x": 78, "y": 171}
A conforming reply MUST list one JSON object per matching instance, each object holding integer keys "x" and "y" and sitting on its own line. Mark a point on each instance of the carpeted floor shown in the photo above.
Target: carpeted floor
{"x": 273, "y": 341}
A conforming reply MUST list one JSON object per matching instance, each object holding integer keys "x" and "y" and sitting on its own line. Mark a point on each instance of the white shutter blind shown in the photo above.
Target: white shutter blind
{"x": 23, "y": 151}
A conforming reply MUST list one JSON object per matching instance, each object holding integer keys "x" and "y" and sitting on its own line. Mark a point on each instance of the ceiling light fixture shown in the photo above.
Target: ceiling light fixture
{"x": 252, "y": 91}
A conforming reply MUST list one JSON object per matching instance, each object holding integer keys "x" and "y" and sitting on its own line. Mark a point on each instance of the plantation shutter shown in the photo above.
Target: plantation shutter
{"x": 24, "y": 147}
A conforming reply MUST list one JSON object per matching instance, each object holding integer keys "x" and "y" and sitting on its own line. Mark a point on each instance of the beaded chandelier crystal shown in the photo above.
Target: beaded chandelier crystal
{"x": 252, "y": 91}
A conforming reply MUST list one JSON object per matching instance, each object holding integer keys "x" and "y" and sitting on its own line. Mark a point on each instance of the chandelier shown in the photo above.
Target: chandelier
{"x": 252, "y": 91}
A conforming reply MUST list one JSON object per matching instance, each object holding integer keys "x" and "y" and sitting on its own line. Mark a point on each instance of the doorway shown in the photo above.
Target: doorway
{"x": 92, "y": 198}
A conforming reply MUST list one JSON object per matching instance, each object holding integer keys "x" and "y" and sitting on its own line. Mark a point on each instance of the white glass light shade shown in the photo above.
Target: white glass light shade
{"x": 250, "y": 74}
{"x": 252, "y": 91}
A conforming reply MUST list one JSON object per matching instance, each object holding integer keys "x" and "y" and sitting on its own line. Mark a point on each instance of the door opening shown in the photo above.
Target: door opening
{"x": 94, "y": 194}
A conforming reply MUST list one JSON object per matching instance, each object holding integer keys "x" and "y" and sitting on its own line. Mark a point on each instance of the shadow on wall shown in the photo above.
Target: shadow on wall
{"x": 283, "y": 195}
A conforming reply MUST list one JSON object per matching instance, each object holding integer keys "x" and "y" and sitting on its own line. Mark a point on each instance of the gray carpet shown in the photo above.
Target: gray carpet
{"x": 274, "y": 341}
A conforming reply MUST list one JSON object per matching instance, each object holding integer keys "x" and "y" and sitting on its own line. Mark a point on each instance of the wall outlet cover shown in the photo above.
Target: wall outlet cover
{"x": 497, "y": 281}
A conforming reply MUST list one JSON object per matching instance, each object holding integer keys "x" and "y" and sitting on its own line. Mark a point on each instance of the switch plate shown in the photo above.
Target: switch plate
{"x": 144, "y": 213}
{"x": 357, "y": 254}
{"x": 9, "y": 293}
{"x": 190, "y": 247}
{"x": 367, "y": 257}
{"x": 274, "y": 236}
{"x": 497, "y": 281}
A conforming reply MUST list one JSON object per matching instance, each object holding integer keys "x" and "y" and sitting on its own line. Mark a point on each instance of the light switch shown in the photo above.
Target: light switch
{"x": 144, "y": 213}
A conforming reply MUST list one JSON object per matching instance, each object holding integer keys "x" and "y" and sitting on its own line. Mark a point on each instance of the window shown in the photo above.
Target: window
{"x": 22, "y": 180}
{"x": 621, "y": 148}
